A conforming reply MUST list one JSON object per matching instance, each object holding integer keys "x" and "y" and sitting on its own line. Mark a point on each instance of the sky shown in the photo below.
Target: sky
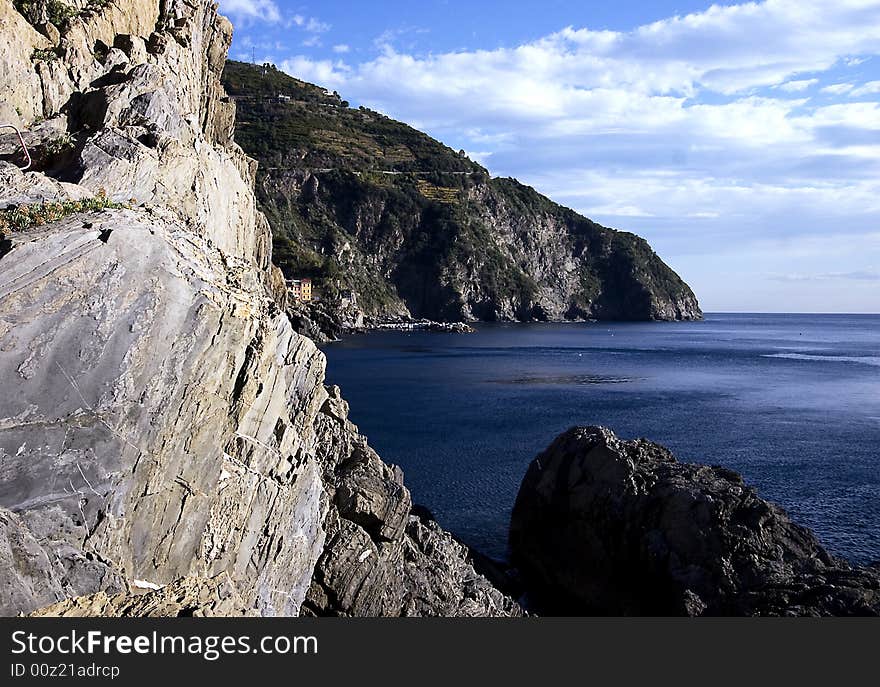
{"x": 742, "y": 140}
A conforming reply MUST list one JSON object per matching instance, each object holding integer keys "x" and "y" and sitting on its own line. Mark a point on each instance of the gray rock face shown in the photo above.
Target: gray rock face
{"x": 604, "y": 526}
{"x": 162, "y": 426}
{"x": 575, "y": 268}
{"x": 380, "y": 560}
{"x": 39, "y": 87}
{"x": 516, "y": 256}
{"x": 324, "y": 321}
{"x": 162, "y": 415}
{"x": 40, "y": 566}
{"x": 161, "y": 422}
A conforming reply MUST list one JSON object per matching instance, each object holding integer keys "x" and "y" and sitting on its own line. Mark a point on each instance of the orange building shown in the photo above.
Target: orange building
{"x": 300, "y": 289}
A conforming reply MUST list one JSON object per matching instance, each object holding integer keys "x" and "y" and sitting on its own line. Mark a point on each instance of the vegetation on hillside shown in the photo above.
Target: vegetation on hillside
{"x": 29, "y": 216}
{"x": 285, "y": 122}
{"x": 360, "y": 202}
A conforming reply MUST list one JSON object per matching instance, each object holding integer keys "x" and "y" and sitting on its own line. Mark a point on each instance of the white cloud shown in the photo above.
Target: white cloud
{"x": 479, "y": 156}
{"x": 243, "y": 11}
{"x": 864, "y": 115}
{"x": 341, "y": 49}
{"x": 798, "y": 86}
{"x": 685, "y": 129}
{"x": 619, "y": 210}
{"x": 387, "y": 38}
{"x": 870, "y": 88}
{"x": 714, "y": 50}
{"x": 856, "y": 275}
{"x": 837, "y": 89}
{"x": 739, "y": 201}
{"x": 316, "y": 26}
{"x": 325, "y": 73}
{"x": 309, "y": 24}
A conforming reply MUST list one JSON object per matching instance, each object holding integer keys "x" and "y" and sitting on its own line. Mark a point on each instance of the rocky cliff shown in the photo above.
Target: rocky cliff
{"x": 611, "y": 527}
{"x": 370, "y": 206}
{"x": 167, "y": 444}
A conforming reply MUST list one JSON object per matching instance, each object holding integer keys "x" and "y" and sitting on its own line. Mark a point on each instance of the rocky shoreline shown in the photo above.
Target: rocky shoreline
{"x": 326, "y": 322}
{"x": 425, "y": 326}
{"x": 169, "y": 447}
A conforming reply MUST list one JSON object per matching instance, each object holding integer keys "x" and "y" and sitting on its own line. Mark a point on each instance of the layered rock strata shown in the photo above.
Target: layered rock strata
{"x": 165, "y": 435}
{"x": 381, "y": 558}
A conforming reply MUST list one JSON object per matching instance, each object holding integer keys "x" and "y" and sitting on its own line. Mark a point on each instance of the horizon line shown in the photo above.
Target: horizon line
{"x": 782, "y": 312}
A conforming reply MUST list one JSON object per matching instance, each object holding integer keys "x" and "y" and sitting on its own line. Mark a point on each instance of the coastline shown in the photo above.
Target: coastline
{"x": 172, "y": 446}
{"x": 325, "y": 322}
{"x": 445, "y": 408}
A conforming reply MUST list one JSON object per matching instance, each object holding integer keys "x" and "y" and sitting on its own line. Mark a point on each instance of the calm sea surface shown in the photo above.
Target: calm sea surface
{"x": 790, "y": 401}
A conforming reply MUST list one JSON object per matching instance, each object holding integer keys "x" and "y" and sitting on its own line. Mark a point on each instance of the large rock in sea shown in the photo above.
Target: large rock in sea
{"x": 610, "y": 527}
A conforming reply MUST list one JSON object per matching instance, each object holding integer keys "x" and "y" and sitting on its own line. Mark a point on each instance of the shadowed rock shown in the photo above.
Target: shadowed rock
{"x": 383, "y": 557}
{"x": 604, "y": 526}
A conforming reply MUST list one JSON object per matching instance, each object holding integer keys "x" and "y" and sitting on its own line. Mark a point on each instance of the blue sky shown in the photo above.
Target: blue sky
{"x": 742, "y": 140}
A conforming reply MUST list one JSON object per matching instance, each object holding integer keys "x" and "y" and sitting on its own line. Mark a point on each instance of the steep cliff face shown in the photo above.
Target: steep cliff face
{"x": 366, "y": 204}
{"x": 163, "y": 407}
{"x": 162, "y": 424}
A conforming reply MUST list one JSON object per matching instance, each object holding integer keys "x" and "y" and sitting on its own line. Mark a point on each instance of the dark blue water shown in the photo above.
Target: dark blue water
{"x": 790, "y": 401}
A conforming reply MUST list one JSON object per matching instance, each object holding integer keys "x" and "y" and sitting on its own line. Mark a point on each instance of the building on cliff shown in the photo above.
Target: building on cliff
{"x": 300, "y": 289}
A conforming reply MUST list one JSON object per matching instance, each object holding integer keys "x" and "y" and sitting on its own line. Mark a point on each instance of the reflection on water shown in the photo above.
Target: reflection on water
{"x": 566, "y": 379}
{"x": 862, "y": 360}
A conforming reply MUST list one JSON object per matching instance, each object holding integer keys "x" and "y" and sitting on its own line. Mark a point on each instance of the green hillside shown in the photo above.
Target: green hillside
{"x": 363, "y": 203}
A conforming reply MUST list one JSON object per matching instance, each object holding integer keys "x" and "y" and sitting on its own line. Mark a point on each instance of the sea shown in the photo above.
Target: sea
{"x": 792, "y": 402}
